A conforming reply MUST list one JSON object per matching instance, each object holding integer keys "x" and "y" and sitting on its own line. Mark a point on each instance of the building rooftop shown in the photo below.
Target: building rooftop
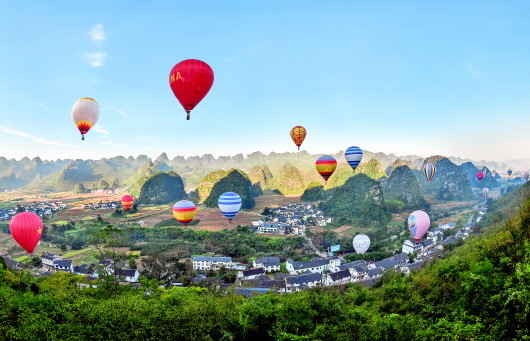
{"x": 301, "y": 279}
{"x": 268, "y": 261}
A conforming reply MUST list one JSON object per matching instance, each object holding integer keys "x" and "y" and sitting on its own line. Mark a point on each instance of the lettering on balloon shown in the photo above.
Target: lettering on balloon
{"x": 175, "y": 77}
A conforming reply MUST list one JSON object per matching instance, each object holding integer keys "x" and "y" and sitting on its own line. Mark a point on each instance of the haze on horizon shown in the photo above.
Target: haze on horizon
{"x": 406, "y": 78}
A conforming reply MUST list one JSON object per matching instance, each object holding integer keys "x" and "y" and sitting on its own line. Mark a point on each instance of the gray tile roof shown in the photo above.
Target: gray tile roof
{"x": 268, "y": 261}
{"x": 401, "y": 258}
{"x": 82, "y": 269}
{"x": 360, "y": 268}
{"x": 221, "y": 259}
{"x": 375, "y": 272}
{"x": 202, "y": 259}
{"x": 302, "y": 279}
{"x": 253, "y": 272}
{"x": 126, "y": 272}
{"x": 427, "y": 243}
{"x": 311, "y": 264}
{"x": 337, "y": 276}
{"x": 347, "y": 266}
{"x": 62, "y": 263}
{"x": 387, "y": 263}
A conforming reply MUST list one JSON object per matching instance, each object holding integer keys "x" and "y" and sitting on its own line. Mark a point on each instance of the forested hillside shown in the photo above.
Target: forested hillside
{"x": 479, "y": 291}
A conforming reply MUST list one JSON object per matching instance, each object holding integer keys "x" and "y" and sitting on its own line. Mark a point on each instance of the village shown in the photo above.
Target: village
{"x": 266, "y": 275}
{"x": 41, "y": 209}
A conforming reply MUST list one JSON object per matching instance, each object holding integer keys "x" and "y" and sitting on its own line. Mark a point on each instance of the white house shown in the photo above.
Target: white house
{"x": 317, "y": 265}
{"x": 446, "y": 226}
{"x": 296, "y": 283}
{"x": 205, "y": 263}
{"x": 411, "y": 246}
{"x": 251, "y": 274}
{"x": 337, "y": 278}
{"x": 219, "y": 262}
{"x": 128, "y": 275}
{"x": 48, "y": 259}
{"x": 63, "y": 265}
{"x": 201, "y": 263}
{"x": 270, "y": 264}
{"x": 268, "y": 228}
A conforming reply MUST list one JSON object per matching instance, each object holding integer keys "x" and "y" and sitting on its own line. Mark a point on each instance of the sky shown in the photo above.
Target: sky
{"x": 403, "y": 77}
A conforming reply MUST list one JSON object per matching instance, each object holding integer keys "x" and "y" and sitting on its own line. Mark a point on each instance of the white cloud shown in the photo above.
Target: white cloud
{"x": 121, "y": 112}
{"x": 35, "y": 138}
{"x": 95, "y": 58}
{"x": 97, "y": 34}
{"x": 100, "y": 129}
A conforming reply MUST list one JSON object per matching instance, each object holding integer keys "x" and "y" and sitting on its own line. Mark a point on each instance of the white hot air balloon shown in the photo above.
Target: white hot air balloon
{"x": 85, "y": 114}
{"x": 361, "y": 243}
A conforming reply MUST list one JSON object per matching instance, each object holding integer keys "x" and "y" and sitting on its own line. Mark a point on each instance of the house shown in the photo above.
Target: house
{"x": 447, "y": 226}
{"x": 81, "y": 269}
{"x": 219, "y": 262}
{"x": 268, "y": 228}
{"x": 128, "y": 275}
{"x": 337, "y": 278}
{"x": 359, "y": 271}
{"x": 202, "y": 263}
{"x": 317, "y": 265}
{"x": 106, "y": 267}
{"x": 270, "y": 264}
{"x": 348, "y": 266}
{"x": 374, "y": 273}
{"x": 251, "y": 274}
{"x": 436, "y": 235}
{"x": 63, "y": 265}
{"x": 48, "y": 259}
{"x": 411, "y": 246}
{"x": 308, "y": 280}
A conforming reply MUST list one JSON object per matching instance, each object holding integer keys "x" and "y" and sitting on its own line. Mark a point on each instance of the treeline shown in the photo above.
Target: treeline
{"x": 480, "y": 291}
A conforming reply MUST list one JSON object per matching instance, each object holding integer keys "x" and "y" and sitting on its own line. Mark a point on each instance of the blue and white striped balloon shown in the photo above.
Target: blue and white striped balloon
{"x": 354, "y": 156}
{"x": 229, "y": 204}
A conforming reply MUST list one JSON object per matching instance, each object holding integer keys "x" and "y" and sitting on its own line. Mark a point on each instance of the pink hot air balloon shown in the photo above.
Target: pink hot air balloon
{"x": 419, "y": 223}
{"x": 480, "y": 175}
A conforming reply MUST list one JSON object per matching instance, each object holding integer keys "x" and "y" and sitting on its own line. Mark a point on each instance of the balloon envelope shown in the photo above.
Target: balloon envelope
{"x": 428, "y": 171}
{"x": 485, "y": 192}
{"x": 85, "y": 114}
{"x": 525, "y": 176}
{"x": 354, "y": 156}
{"x": 184, "y": 211}
{"x": 509, "y": 172}
{"x": 127, "y": 202}
{"x": 298, "y": 135}
{"x": 229, "y": 204}
{"x": 418, "y": 223}
{"x": 326, "y": 165}
{"x": 26, "y": 228}
{"x": 480, "y": 175}
{"x": 190, "y": 80}
{"x": 361, "y": 243}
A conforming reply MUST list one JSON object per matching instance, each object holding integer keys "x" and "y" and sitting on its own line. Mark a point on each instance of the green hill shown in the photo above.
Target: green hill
{"x": 233, "y": 181}
{"x": 162, "y": 188}
{"x": 262, "y": 176}
{"x": 313, "y": 192}
{"x": 359, "y": 201}
{"x": 402, "y": 185}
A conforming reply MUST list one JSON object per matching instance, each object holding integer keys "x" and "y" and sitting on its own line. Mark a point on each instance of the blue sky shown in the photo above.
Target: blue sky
{"x": 406, "y": 77}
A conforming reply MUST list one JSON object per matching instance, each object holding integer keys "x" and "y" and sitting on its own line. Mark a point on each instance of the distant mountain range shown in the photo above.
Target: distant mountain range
{"x": 272, "y": 170}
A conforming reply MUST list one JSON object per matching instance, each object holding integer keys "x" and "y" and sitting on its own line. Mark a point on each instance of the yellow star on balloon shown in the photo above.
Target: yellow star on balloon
{"x": 39, "y": 230}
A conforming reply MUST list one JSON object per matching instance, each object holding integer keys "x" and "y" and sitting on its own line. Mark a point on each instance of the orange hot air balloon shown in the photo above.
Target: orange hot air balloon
{"x": 85, "y": 114}
{"x": 191, "y": 80}
{"x": 26, "y": 228}
{"x": 127, "y": 202}
{"x": 298, "y": 135}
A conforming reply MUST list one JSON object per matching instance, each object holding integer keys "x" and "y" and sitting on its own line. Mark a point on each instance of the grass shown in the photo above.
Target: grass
{"x": 71, "y": 232}
{"x": 73, "y": 253}
{"x": 22, "y": 259}
{"x": 133, "y": 253}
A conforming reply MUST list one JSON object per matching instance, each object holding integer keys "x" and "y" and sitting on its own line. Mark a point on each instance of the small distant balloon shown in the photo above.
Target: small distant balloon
{"x": 354, "y": 156}
{"x": 127, "y": 202}
{"x": 230, "y": 204}
{"x": 326, "y": 165}
{"x": 493, "y": 173}
{"x": 26, "y": 229}
{"x": 298, "y": 135}
{"x": 418, "y": 223}
{"x": 361, "y": 243}
{"x": 85, "y": 114}
{"x": 191, "y": 80}
{"x": 510, "y": 172}
{"x": 525, "y": 176}
{"x": 184, "y": 211}
{"x": 480, "y": 175}
{"x": 428, "y": 171}
{"x": 485, "y": 192}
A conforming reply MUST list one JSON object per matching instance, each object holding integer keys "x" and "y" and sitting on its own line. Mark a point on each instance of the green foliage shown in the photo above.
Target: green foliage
{"x": 359, "y": 201}
{"x": 234, "y": 181}
{"x": 261, "y": 175}
{"x": 162, "y": 188}
{"x": 403, "y": 186}
{"x": 291, "y": 181}
{"x": 313, "y": 192}
{"x": 394, "y": 206}
{"x": 79, "y": 188}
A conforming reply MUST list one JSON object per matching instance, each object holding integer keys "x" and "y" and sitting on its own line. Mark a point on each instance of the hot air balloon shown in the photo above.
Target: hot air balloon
{"x": 419, "y": 223}
{"x": 184, "y": 211}
{"x": 485, "y": 192}
{"x": 428, "y": 171}
{"x": 326, "y": 165}
{"x": 85, "y": 114}
{"x": 493, "y": 174}
{"x": 229, "y": 204}
{"x": 298, "y": 134}
{"x": 354, "y": 156}
{"x": 525, "y": 176}
{"x": 480, "y": 175}
{"x": 190, "y": 80}
{"x": 509, "y": 172}
{"x": 361, "y": 243}
{"x": 127, "y": 202}
{"x": 26, "y": 228}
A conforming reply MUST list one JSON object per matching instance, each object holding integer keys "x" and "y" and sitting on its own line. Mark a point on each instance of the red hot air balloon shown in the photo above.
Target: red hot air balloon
{"x": 26, "y": 228}
{"x": 127, "y": 202}
{"x": 480, "y": 175}
{"x": 190, "y": 80}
